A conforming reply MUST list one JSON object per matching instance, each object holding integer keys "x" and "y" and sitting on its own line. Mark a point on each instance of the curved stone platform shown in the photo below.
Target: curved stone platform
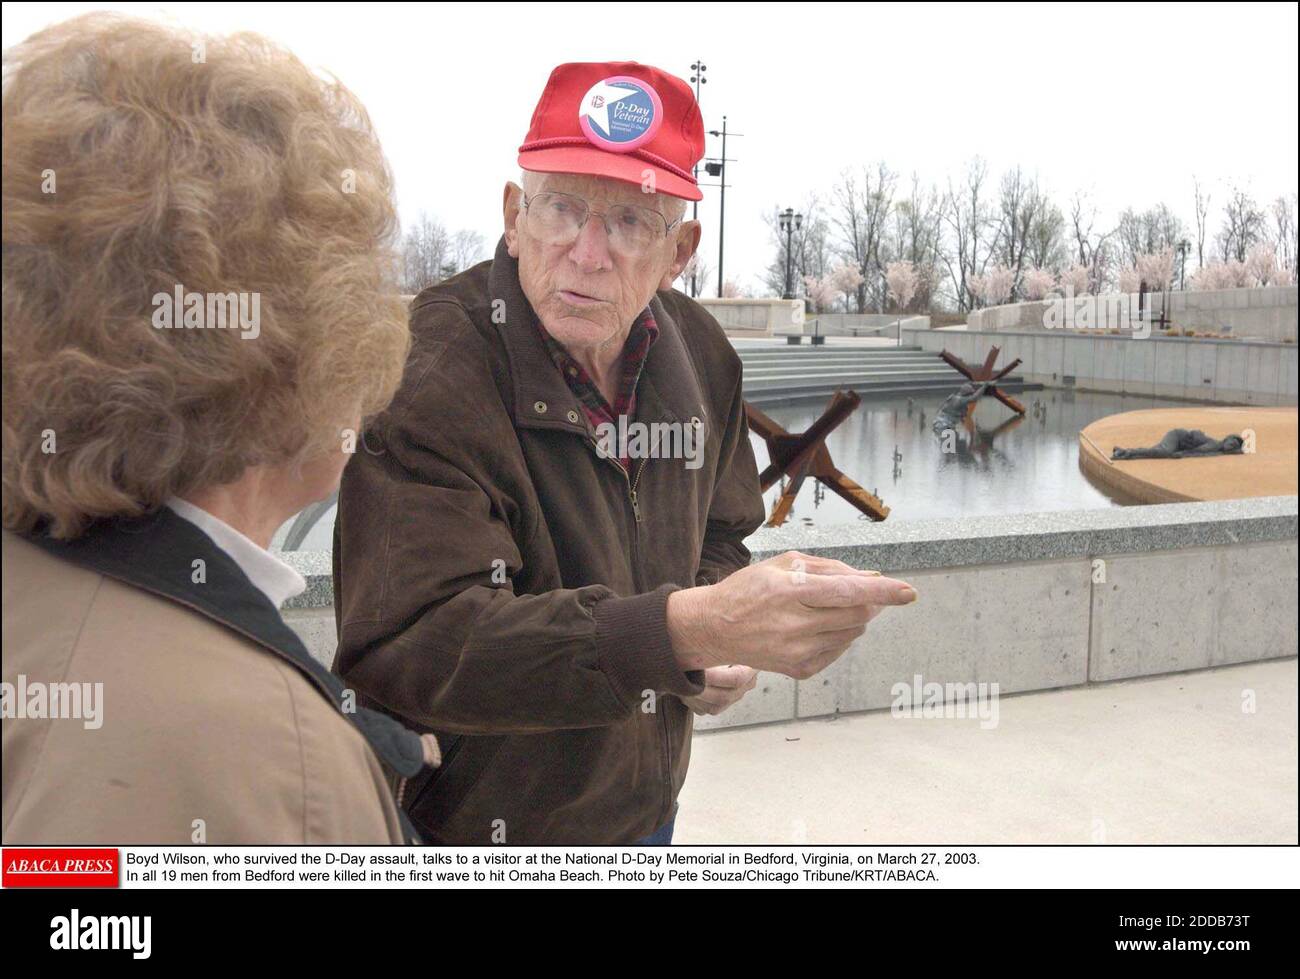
{"x": 1269, "y": 471}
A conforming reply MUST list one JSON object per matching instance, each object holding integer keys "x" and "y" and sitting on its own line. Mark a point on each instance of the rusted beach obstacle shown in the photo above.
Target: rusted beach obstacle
{"x": 985, "y": 374}
{"x": 799, "y": 456}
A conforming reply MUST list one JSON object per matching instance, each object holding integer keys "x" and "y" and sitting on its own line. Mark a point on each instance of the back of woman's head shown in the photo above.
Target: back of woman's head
{"x": 157, "y": 185}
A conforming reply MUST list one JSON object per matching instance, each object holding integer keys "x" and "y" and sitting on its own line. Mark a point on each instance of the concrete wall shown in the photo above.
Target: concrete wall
{"x": 756, "y": 317}
{"x": 1268, "y": 313}
{"x": 1191, "y": 368}
{"x": 1107, "y": 595}
{"x": 781, "y": 317}
{"x": 864, "y": 324}
{"x": 1020, "y": 601}
{"x": 1042, "y": 625}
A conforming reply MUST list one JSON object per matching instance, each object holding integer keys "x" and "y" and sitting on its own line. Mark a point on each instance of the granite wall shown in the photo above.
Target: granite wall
{"x": 1262, "y": 313}
{"x": 1186, "y": 368}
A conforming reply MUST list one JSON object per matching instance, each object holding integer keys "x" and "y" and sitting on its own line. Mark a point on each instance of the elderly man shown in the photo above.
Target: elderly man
{"x": 539, "y": 552}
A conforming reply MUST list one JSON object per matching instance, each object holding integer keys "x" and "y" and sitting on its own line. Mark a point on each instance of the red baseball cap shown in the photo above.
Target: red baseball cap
{"x": 617, "y": 119}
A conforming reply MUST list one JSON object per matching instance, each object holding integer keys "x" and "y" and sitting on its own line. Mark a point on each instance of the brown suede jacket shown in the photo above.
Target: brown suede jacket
{"x": 501, "y": 583}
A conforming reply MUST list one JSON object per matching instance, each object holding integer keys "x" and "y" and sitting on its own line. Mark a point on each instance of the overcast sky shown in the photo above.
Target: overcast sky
{"x": 1126, "y": 102}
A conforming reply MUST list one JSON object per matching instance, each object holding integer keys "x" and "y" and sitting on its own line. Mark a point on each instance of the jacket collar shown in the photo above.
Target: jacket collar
{"x": 669, "y": 389}
{"x": 157, "y": 553}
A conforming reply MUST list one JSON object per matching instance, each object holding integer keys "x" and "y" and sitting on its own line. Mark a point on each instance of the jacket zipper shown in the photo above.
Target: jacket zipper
{"x": 636, "y": 507}
{"x": 631, "y": 492}
{"x": 639, "y": 580}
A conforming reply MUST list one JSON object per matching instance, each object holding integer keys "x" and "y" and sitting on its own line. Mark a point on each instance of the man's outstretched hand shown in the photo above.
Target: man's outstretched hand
{"x": 793, "y": 614}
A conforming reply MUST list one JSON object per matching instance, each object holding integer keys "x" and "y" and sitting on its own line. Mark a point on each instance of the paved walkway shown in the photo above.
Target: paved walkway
{"x": 1170, "y": 759}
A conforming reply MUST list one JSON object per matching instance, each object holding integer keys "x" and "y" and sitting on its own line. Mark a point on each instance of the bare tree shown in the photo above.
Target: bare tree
{"x": 1244, "y": 225}
{"x": 1046, "y": 246}
{"x": 1284, "y": 242}
{"x": 1148, "y": 232}
{"x": 968, "y": 242}
{"x": 1016, "y": 204}
{"x": 1092, "y": 247}
{"x": 809, "y": 249}
{"x": 859, "y": 213}
{"x": 966, "y": 213}
{"x": 430, "y": 253}
{"x": 424, "y": 254}
{"x": 1202, "y": 218}
{"x": 813, "y": 255}
{"x": 696, "y": 275}
{"x": 466, "y": 249}
{"x": 916, "y": 238}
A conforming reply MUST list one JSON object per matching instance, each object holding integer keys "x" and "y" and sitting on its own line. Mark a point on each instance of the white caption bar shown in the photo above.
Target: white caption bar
{"x": 710, "y": 867}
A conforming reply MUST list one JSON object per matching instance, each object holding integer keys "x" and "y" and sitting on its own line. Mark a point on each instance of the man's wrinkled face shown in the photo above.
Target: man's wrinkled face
{"x": 586, "y": 293}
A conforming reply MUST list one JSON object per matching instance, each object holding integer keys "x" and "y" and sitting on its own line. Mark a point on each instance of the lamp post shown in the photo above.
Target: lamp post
{"x": 789, "y": 222}
{"x": 1184, "y": 247}
{"x": 719, "y": 169}
{"x": 698, "y": 68}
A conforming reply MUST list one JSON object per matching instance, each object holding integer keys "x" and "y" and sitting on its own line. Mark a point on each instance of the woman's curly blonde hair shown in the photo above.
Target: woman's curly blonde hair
{"x": 137, "y": 159}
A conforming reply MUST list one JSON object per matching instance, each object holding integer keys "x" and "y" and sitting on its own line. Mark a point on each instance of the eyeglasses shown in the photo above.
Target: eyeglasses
{"x": 557, "y": 219}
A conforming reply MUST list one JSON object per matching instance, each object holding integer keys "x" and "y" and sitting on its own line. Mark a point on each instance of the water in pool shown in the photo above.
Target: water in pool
{"x": 1003, "y": 465}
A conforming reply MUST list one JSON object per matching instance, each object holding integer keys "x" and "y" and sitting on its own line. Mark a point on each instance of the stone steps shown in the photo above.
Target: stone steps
{"x": 775, "y": 373}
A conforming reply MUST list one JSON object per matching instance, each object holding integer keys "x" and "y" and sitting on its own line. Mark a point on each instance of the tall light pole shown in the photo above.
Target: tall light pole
{"x": 722, "y": 197}
{"x": 698, "y": 68}
{"x": 717, "y": 167}
{"x": 789, "y": 222}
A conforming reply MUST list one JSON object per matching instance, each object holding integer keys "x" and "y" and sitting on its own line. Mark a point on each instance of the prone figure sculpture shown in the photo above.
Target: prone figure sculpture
{"x": 1180, "y": 442}
{"x": 954, "y": 407}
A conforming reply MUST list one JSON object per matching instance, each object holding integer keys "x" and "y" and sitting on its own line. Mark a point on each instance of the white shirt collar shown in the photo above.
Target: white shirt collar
{"x": 275, "y": 579}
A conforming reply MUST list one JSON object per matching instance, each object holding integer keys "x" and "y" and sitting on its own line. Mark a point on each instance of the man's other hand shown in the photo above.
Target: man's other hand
{"x": 723, "y": 686}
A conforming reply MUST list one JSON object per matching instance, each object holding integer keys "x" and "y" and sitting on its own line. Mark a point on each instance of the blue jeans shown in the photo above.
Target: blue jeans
{"x": 663, "y": 836}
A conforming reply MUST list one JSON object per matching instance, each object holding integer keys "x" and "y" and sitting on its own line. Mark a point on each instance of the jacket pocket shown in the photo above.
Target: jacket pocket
{"x": 465, "y": 760}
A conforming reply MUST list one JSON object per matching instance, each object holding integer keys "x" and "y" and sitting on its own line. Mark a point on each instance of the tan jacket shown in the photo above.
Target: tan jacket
{"x": 203, "y": 734}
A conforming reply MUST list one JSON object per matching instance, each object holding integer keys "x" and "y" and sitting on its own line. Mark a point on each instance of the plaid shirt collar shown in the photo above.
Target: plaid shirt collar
{"x": 599, "y": 411}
